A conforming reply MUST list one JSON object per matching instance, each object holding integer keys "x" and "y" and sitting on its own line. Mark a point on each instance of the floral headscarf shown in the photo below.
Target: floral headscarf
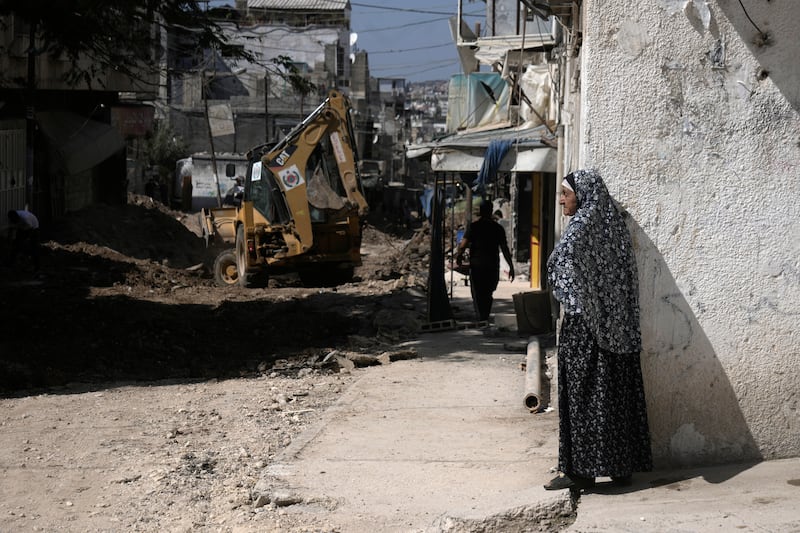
{"x": 592, "y": 270}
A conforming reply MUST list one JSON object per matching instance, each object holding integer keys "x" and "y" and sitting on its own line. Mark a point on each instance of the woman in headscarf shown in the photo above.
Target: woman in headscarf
{"x": 603, "y": 429}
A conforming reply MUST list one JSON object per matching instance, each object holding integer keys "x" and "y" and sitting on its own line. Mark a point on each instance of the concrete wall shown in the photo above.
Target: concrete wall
{"x": 308, "y": 46}
{"x": 243, "y": 86}
{"x": 694, "y": 123}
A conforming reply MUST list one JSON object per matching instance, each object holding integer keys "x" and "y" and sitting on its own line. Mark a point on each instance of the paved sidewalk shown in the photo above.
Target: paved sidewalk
{"x": 763, "y": 497}
{"x": 445, "y": 443}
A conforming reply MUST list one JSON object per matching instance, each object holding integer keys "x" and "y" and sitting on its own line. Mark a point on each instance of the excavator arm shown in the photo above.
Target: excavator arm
{"x": 308, "y": 178}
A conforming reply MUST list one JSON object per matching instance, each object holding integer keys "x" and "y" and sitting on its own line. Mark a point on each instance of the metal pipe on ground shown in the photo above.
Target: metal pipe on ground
{"x": 533, "y": 376}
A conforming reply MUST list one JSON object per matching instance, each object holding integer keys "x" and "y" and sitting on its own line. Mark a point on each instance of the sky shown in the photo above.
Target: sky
{"x": 409, "y": 39}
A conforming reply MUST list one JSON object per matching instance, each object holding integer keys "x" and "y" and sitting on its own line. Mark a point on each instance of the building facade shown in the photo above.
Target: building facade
{"x": 259, "y": 104}
{"x": 690, "y": 111}
{"x": 64, "y": 142}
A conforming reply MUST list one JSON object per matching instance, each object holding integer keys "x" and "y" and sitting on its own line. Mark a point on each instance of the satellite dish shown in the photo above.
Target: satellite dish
{"x": 352, "y": 58}
{"x": 353, "y": 38}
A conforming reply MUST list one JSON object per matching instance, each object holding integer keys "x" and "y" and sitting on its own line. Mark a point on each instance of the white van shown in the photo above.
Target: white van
{"x": 199, "y": 167}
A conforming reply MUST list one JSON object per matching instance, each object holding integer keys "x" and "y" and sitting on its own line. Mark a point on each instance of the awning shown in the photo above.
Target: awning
{"x": 418, "y": 150}
{"x": 83, "y": 143}
{"x": 465, "y": 152}
{"x": 542, "y": 159}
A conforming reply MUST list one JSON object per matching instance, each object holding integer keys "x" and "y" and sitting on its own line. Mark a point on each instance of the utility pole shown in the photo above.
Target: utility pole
{"x": 266, "y": 106}
{"x": 30, "y": 115}
{"x": 211, "y": 140}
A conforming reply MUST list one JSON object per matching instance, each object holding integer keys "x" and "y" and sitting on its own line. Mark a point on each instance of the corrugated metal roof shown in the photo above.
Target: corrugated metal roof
{"x": 299, "y": 5}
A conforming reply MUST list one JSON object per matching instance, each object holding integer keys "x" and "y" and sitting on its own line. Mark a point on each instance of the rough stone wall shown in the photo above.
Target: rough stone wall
{"x": 694, "y": 124}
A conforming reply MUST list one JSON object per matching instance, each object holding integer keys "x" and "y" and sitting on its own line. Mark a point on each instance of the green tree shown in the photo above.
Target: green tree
{"x": 118, "y": 35}
{"x": 289, "y": 71}
{"x": 164, "y": 148}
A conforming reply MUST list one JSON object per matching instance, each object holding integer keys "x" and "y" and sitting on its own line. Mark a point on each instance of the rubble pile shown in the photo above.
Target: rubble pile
{"x": 141, "y": 229}
{"x": 126, "y": 290}
{"x": 406, "y": 260}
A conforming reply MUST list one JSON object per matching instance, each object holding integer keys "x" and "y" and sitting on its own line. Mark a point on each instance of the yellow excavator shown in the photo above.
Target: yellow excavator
{"x": 302, "y": 209}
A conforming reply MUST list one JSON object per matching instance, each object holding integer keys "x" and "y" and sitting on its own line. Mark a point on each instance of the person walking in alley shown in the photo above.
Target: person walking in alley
{"x": 23, "y": 231}
{"x": 486, "y": 239}
{"x": 603, "y": 427}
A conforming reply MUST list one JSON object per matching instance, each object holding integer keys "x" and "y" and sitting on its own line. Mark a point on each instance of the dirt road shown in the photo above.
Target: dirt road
{"x": 138, "y": 396}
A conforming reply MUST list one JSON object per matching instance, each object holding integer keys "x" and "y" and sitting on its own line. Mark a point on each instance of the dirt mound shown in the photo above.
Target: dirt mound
{"x": 390, "y": 258}
{"x": 125, "y": 293}
{"x": 142, "y": 229}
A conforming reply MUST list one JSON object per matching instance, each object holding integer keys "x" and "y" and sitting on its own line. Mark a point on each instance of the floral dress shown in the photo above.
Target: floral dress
{"x": 603, "y": 427}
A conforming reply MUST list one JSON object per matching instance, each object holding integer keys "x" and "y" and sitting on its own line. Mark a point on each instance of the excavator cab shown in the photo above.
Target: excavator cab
{"x": 263, "y": 191}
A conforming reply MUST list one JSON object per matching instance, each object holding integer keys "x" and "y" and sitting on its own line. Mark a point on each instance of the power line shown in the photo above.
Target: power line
{"x": 401, "y": 26}
{"x": 435, "y": 64}
{"x": 407, "y": 10}
{"x": 763, "y": 35}
{"x": 446, "y": 70}
{"x": 457, "y": 68}
{"x": 417, "y": 23}
{"x": 412, "y": 49}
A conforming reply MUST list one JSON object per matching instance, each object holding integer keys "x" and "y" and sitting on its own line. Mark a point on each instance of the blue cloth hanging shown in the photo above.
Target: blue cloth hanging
{"x": 495, "y": 152}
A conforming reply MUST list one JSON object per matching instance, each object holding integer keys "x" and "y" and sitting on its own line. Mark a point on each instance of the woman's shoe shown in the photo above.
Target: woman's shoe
{"x": 564, "y": 481}
{"x": 559, "y": 482}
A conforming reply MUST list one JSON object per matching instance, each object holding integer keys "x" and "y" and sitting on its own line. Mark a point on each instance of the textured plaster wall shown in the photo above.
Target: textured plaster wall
{"x": 695, "y": 127}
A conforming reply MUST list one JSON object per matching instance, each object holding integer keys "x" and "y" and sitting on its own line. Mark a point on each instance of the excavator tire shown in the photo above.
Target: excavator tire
{"x": 249, "y": 279}
{"x": 225, "y": 270}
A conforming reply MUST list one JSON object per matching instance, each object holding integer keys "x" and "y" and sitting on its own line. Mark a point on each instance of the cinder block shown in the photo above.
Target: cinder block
{"x": 533, "y": 312}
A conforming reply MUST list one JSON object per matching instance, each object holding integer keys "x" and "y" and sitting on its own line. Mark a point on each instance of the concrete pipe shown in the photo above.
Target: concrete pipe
{"x": 533, "y": 376}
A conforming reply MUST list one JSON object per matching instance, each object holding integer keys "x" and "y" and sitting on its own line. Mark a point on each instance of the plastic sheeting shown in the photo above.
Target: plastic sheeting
{"x": 477, "y": 100}
{"x": 535, "y": 83}
{"x": 83, "y": 143}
